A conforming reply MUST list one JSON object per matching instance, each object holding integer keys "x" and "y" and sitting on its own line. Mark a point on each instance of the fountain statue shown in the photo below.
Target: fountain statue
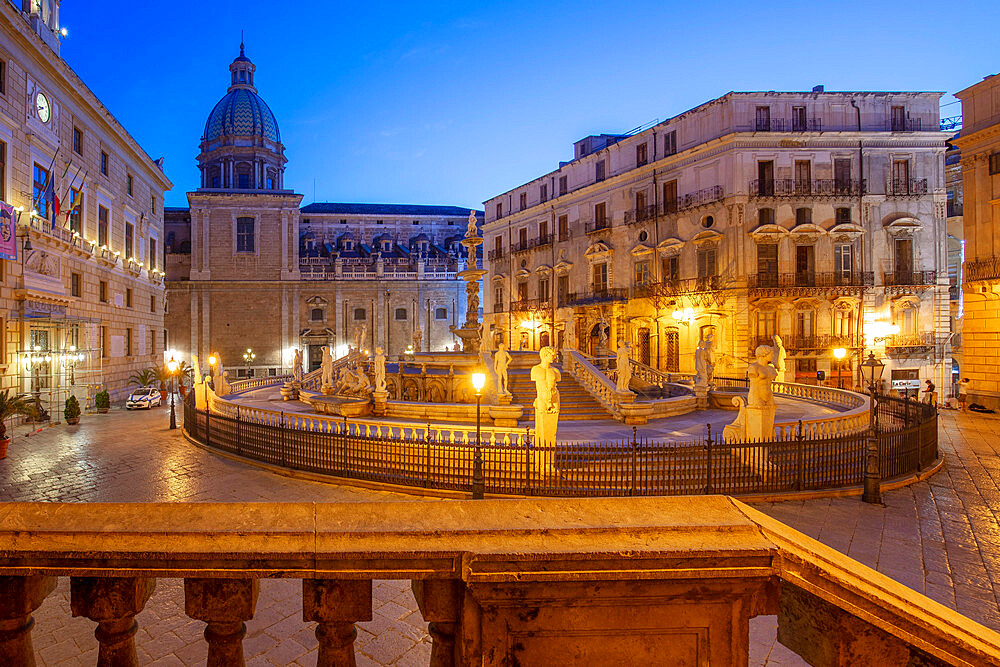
{"x": 779, "y": 355}
{"x": 623, "y": 365}
{"x": 326, "y": 371}
{"x": 379, "y": 370}
{"x": 417, "y": 337}
{"x": 501, "y": 361}
{"x": 472, "y": 275}
{"x": 297, "y": 366}
{"x": 290, "y": 390}
{"x": 755, "y": 422}
{"x": 546, "y": 404}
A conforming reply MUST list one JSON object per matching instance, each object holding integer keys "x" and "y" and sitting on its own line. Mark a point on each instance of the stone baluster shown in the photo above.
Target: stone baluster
{"x": 224, "y": 604}
{"x": 336, "y": 605}
{"x": 113, "y": 603}
{"x": 440, "y": 603}
{"x": 19, "y": 597}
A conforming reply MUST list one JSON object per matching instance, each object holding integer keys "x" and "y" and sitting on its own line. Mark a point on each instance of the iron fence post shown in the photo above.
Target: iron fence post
{"x": 708, "y": 471}
{"x": 282, "y": 439}
{"x": 632, "y": 490}
{"x": 208, "y": 439}
{"x": 799, "y": 472}
{"x": 872, "y": 484}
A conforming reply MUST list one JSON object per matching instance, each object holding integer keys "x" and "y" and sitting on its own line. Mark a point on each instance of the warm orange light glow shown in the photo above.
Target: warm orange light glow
{"x": 478, "y": 381}
{"x": 839, "y": 353}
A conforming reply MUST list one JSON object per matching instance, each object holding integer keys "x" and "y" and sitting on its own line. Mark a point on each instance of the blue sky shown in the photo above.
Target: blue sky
{"x": 452, "y": 103}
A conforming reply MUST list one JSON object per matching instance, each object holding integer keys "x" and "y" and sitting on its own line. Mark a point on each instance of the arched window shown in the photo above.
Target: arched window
{"x": 317, "y": 315}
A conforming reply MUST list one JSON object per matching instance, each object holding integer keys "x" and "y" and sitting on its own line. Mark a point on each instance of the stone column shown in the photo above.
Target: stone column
{"x": 19, "y": 596}
{"x": 440, "y": 603}
{"x": 113, "y": 603}
{"x": 224, "y": 604}
{"x": 336, "y": 605}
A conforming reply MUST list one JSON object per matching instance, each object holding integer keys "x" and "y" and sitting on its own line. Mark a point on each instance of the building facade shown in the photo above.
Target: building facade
{"x": 979, "y": 142}
{"x": 816, "y": 216}
{"x": 82, "y": 303}
{"x": 251, "y": 270}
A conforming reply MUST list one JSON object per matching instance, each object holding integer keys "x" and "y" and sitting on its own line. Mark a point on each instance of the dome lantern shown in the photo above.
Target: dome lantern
{"x": 241, "y": 72}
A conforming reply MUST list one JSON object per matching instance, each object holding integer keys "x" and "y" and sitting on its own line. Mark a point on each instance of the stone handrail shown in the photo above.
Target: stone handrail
{"x": 311, "y": 381}
{"x": 656, "y": 376}
{"x": 240, "y": 386}
{"x": 595, "y": 382}
{"x": 499, "y": 581}
{"x": 369, "y": 428}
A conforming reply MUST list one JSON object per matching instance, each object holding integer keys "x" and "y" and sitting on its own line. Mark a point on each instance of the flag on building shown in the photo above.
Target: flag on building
{"x": 8, "y": 232}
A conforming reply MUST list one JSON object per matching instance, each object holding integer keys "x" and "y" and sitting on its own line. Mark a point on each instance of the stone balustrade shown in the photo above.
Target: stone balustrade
{"x": 500, "y": 582}
{"x": 621, "y": 404}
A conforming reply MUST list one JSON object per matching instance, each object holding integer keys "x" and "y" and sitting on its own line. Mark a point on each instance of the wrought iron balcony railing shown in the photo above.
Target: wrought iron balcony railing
{"x": 787, "y": 125}
{"x": 809, "y": 341}
{"x": 542, "y": 241}
{"x": 922, "y": 341}
{"x": 701, "y": 197}
{"x": 664, "y": 288}
{"x": 819, "y": 187}
{"x": 496, "y": 254}
{"x": 598, "y": 225}
{"x": 527, "y": 305}
{"x": 982, "y": 269}
{"x": 640, "y": 214}
{"x": 565, "y": 235}
{"x": 915, "y": 278}
{"x": 598, "y": 295}
{"x": 810, "y": 279}
{"x": 520, "y": 246}
{"x": 906, "y": 187}
{"x": 904, "y": 125}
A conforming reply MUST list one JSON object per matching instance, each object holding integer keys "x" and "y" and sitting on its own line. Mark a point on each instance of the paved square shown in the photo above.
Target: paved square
{"x": 940, "y": 537}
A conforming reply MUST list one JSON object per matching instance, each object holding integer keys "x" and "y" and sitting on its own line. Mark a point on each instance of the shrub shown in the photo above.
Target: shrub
{"x": 102, "y": 400}
{"x": 72, "y": 409}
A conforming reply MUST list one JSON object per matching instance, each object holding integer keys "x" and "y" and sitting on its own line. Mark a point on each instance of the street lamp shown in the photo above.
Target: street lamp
{"x": 212, "y": 361}
{"x": 172, "y": 368}
{"x": 839, "y": 353}
{"x": 871, "y": 372}
{"x": 248, "y": 358}
{"x": 478, "y": 480}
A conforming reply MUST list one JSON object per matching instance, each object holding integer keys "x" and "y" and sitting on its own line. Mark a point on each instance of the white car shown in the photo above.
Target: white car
{"x": 146, "y": 397}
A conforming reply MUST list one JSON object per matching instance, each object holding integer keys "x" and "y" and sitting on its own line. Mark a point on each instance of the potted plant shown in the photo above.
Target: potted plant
{"x": 102, "y": 401}
{"x": 163, "y": 376}
{"x": 183, "y": 371}
{"x": 10, "y": 405}
{"x": 72, "y": 411}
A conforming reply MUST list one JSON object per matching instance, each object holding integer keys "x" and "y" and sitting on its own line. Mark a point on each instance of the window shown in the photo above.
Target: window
{"x": 765, "y": 216}
{"x": 522, "y": 237}
{"x": 128, "y": 342}
{"x": 563, "y": 222}
{"x": 642, "y": 272}
{"x": 102, "y": 226}
{"x": 543, "y": 192}
{"x": 562, "y": 290}
{"x": 152, "y": 303}
{"x": 803, "y": 216}
{"x": 765, "y": 178}
{"x": 640, "y": 155}
{"x": 128, "y": 297}
{"x": 41, "y": 191}
{"x": 102, "y": 291}
{"x": 842, "y": 216}
{"x": 843, "y": 260}
{"x": 129, "y": 239}
{"x": 543, "y": 231}
{"x": 707, "y": 263}
{"x": 898, "y": 119}
{"x": 243, "y": 181}
{"x": 400, "y": 314}
{"x": 498, "y": 246}
{"x": 904, "y": 260}
{"x": 671, "y": 268}
{"x": 673, "y": 350}
{"x": 670, "y": 196}
{"x": 766, "y": 320}
{"x": 75, "y": 284}
{"x": 78, "y": 141}
{"x": 104, "y": 163}
{"x": 767, "y": 265}
{"x": 798, "y": 119}
{"x": 600, "y": 274}
{"x": 994, "y": 163}
{"x": 670, "y": 143}
{"x": 763, "y": 118}
{"x": 842, "y": 175}
{"x": 524, "y": 200}
{"x": 600, "y": 215}
{"x": 805, "y": 265}
{"x": 900, "y": 176}
{"x": 3, "y": 77}
{"x": 803, "y": 177}
{"x": 244, "y": 235}
{"x": 805, "y": 368}
{"x": 152, "y": 254}
{"x": 316, "y": 315}
{"x": 843, "y": 323}
{"x": 522, "y": 291}
{"x": 499, "y": 210}
{"x": 105, "y": 343}
{"x": 440, "y": 313}
{"x": 152, "y": 205}
{"x": 498, "y": 298}
{"x": 599, "y": 170}
{"x": 152, "y": 341}
{"x": 129, "y": 182}
{"x": 563, "y": 186}
{"x": 360, "y": 314}
{"x": 75, "y": 211}
{"x": 708, "y": 222}
{"x": 804, "y": 327}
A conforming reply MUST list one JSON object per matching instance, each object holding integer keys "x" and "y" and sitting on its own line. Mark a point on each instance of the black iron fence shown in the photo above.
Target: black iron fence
{"x": 905, "y": 440}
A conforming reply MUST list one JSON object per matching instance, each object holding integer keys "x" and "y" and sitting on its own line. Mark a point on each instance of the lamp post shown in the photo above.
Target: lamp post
{"x": 212, "y": 361}
{"x": 172, "y": 368}
{"x": 839, "y": 353}
{"x": 248, "y": 358}
{"x": 871, "y": 371}
{"x": 478, "y": 480}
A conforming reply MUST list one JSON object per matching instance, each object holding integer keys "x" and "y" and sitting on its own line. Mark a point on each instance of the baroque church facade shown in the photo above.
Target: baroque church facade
{"x": 250, "y": 269}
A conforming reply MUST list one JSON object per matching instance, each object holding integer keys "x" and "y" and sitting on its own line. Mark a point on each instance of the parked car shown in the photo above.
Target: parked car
{"x": 146, "y": 397}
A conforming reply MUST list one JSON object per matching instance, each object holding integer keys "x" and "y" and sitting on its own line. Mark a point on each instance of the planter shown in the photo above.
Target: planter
{"x": 102, "y": 411}
{"x": 163, "y": 396}
{"x": 3, "y": 447}
{"x": 72, "y": 421}
{"x": 183, "y": 390}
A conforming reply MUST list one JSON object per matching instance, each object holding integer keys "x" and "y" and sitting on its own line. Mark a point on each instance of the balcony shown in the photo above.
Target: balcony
{"x": 907, "y": 344}
{"x": 520, "y": 246}
{"x": 904, "y": 125}
{"x": 906, "y": 187}
{"x": 598, "y": 225}
{"x": 789, "y": 188}
{"x": 528, "y": 305}
{"x": 565, "y": 235}
{"x": 982, "y": 269}
{"x": 765, "y": 283}
{"x": 640, "y": 214}
{"x": 496, "y": 254}
{"x": 663, "y": 289}
{"x": 909, "y": 278}
{"x": 598, "y": 295}
{"x": 698, "y": 198}
{"x": 789, "y": 125}
{"x": 543, "y": 240}
{"x": 498, "y": 307}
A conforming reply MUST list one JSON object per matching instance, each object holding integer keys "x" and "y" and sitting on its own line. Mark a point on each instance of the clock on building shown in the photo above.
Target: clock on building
{"x": 44, "y": 111}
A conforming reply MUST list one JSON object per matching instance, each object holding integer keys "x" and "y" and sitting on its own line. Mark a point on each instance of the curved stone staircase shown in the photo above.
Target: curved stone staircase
{"x": 576, "y": 404}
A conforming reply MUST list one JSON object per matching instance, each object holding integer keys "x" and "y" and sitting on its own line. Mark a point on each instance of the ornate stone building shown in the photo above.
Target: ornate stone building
{"x": 979, "y": 143}
{"x": 817, "y": 216}
{"x": 249, "y": 269}
{"x": 82, "y": 307}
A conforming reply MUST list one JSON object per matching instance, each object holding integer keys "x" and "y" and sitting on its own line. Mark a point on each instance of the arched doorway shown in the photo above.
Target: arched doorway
{"x": 644, "y": 345}
{"x": 595, "y": 339}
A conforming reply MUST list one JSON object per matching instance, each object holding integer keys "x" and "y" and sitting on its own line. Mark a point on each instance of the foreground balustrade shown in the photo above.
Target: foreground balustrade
{"x": 532, "y": 581}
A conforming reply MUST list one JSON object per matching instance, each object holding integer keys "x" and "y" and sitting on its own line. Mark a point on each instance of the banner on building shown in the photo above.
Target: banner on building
{"x": 8, "y": 232}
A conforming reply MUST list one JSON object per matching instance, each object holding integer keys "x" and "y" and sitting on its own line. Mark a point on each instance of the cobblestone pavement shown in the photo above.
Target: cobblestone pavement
{"x": 940, "y": 537}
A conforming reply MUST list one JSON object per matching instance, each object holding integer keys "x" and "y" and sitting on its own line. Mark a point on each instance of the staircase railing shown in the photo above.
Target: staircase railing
{"x": 595, "y": 382}
{"x": 311, "y": 381}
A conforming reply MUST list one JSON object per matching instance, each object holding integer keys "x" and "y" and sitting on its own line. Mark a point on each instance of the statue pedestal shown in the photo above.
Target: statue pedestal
{"x": 505, "y": 415}
{"x": 759, "y": 423}
{"x": 504, "y": 399}
{"x": 380, "y": 400}
{"x": 701, "y": 395}
{"x": 290, "y": 390}
{"x": 327, "y": 390}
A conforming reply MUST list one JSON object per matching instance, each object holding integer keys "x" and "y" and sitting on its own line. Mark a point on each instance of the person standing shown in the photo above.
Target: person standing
{"x": 963, "y": 392}
{"x": 929, "y": 392}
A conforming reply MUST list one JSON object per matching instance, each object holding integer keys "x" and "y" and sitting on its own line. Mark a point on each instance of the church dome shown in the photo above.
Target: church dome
{"x": 242, "y": 113}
